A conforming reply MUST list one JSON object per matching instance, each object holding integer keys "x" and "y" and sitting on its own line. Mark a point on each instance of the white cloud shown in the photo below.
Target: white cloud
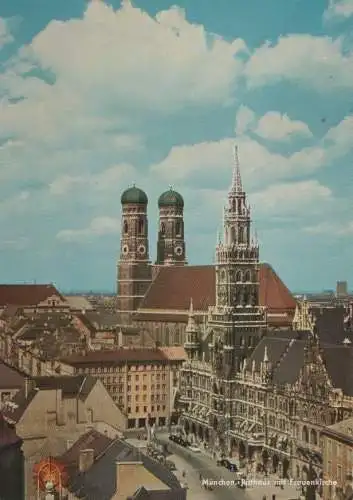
{"x": 319, "y": 62}
{"x": 128, "y": 142}
{"x": 202, "y": 158}
{"x": 109, "y": 72}
{"x": 109, "y": 179}
{"x": 5, "y": 35}
{"x": 294, "y": 198}
{"x": 339, "y": 9}
{"x": 258, "y": 164}
{"x": 100, "y": 226}
{"x": 272, "y": 126}
{"x": 276, "y": 127}
{"x": 245, "y": 120}
{"x": 214, "y": 159}
{"x": 126, "y": 56}
{"x": 339, "y": 138}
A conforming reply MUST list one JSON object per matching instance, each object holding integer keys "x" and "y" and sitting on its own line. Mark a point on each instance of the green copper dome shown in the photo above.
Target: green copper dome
{"x": 134, "y": 195}
{"x": 171, "y": 199}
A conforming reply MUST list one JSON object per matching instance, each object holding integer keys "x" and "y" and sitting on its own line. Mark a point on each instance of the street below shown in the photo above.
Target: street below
{"x": 196, "y": 464}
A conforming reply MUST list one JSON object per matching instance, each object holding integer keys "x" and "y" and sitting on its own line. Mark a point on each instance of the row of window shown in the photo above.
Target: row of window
{"x": 121, "y": 369}
{"x": 145, "y": 409}
{"x": 144, "y": 376}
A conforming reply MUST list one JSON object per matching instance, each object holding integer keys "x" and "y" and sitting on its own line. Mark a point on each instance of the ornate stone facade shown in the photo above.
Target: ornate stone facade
{"x": 262, "y": 396}
{"x": 234, "y": 327}
{"x": 276, "y": 407}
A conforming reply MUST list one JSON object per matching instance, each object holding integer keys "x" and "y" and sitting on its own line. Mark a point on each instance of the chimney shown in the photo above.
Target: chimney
{"x": 86, "y": 459}
{"x": 29, "y": 386}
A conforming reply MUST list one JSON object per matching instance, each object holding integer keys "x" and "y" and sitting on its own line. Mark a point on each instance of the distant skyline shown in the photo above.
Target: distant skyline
{"x": 97, "y": 95}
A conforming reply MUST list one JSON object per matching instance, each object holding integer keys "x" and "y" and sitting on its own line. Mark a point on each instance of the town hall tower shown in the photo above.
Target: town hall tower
{"x": 237, "y": 320}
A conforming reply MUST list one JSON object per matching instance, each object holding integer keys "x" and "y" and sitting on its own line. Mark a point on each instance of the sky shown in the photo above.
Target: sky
{"x": 95, "y": 96}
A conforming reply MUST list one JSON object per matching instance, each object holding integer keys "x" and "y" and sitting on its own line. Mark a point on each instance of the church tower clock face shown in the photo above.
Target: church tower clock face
{"x": 178, "y": 251}
{"x": 125, "y": 249}
{"x": 142, "y": 250}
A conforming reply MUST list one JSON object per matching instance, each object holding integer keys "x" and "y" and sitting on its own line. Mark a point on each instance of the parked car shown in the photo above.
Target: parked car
{"x": 228, "y": 464}
{"x": 195, "y": 449}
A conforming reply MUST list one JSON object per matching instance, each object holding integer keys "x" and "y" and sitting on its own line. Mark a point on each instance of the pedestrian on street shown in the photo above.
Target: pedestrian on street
{"x": 264, "y": 497}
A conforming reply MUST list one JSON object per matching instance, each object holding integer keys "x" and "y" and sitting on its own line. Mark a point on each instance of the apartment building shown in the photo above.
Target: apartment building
{"x": 142, "y": 382}
{"x": 337, "y": 451}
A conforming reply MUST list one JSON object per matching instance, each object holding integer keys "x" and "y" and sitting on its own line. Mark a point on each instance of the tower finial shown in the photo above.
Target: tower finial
{"x": 170, "y": 187}
{"x": 265, "y": 355}
{"x": 236, "y": 178}
{"x": 191, "y": 308}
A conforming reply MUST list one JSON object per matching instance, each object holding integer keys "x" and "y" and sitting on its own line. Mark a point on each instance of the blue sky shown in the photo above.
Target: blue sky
{"x": 97, "y": 95}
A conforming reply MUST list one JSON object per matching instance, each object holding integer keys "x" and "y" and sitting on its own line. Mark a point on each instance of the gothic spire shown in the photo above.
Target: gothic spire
{"x": 237, "y": 187}
{"x": 265, "y": 355}
{"x": 191, "y": 326}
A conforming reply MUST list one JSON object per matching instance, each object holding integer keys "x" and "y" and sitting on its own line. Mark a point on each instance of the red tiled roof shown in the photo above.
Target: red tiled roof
{"x": 273, "y": 292}
{"x": 174, "y": 286}
{"x": 26, "y": 295}
{"x": 160, "y": 317}
{"x": 175, "y": 353}
{"x": 129, "y": 355}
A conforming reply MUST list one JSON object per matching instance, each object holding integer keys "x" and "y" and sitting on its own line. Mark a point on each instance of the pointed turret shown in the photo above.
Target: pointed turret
{"x": 265, "y": 367}
{"x": 192, "y": 342}
{"x": 265, "y": 355}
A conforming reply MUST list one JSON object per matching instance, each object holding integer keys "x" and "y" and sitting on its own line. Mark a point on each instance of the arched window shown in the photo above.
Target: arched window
{"x": 248, "y": 276}
{"x": 178, "y": 228}
{"x": 305, "y": 434}
{"x": 241, "y": 235}
{"x": 313, "y": 437}
{"x": 141, "y": 229}
{"x": 239, "y": 206}
{"x": 163, "y": 228}
{"x": 238, "y": 276}
{"x": 126, "y": 227}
